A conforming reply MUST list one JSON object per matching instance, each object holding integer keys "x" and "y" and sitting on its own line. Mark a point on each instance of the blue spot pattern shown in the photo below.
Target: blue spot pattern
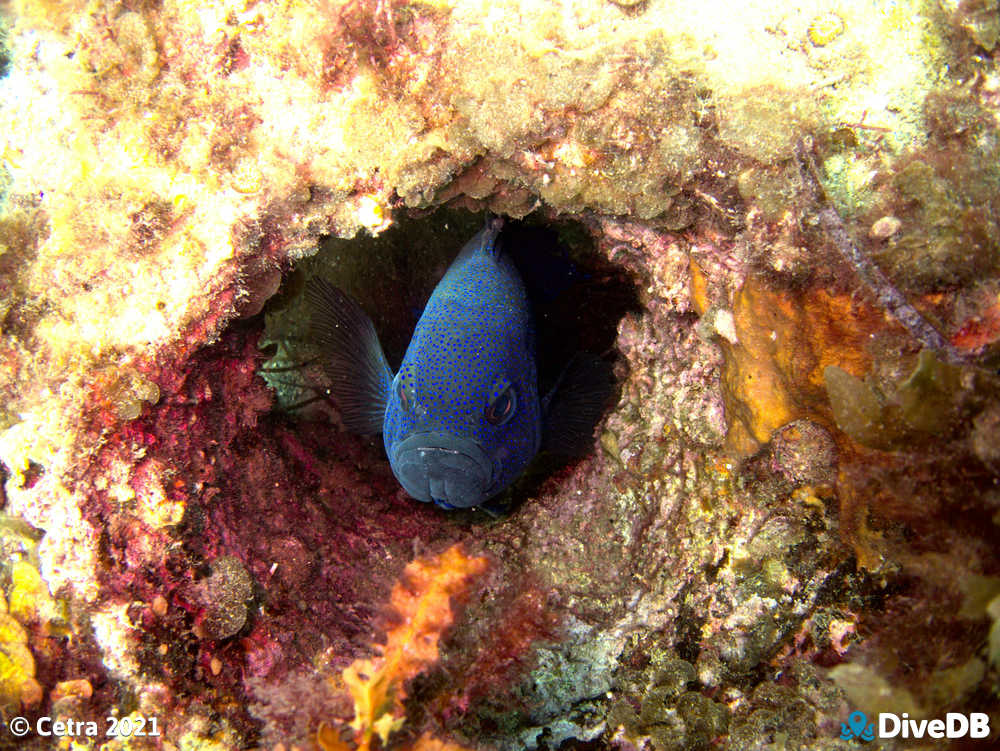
{"x": 475, "y": 336}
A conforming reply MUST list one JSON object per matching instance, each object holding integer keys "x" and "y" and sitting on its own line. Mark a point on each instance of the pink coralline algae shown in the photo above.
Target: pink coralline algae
{"x": 276, "y": 557}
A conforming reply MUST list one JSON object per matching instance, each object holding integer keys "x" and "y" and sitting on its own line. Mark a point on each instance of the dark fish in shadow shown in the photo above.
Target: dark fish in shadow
{"x": 462, "y": 418}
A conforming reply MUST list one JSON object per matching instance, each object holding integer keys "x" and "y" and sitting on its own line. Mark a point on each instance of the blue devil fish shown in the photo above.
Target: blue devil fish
{"x": 462, "y": 418}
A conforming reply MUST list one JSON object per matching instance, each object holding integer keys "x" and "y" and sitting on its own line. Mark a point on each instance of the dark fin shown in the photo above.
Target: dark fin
{"x": 493, "y": 234}
{"x": 352, "y": 357}
{"x": 487, "y": 240}
{"x": 576, "y": 404}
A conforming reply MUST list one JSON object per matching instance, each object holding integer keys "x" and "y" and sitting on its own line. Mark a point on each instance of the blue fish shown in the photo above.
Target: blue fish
{"x": 462, "y": 418}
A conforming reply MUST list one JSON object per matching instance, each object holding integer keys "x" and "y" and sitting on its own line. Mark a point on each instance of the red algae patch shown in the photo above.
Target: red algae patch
{"x": 261, "y": 543}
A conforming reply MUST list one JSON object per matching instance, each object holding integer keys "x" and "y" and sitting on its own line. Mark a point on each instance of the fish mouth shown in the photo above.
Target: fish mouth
{"x": 440, "y": 468}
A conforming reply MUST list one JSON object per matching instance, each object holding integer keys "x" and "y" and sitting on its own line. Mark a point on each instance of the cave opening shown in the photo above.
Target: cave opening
{"x": 577, "y": 296}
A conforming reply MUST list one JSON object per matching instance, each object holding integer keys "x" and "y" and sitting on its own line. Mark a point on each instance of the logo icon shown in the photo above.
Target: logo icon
{"x": 857, "y": 726}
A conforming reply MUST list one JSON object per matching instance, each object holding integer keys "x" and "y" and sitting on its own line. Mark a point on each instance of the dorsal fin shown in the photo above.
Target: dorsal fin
{"x": 352, "y": 357}
{"x": 487, "y": 239}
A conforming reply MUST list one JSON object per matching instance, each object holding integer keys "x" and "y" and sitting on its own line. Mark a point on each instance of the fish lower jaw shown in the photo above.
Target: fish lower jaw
{"x": 433, "y": 467}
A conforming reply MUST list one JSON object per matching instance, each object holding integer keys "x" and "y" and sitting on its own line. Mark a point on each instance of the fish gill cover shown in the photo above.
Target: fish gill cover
{"x": 787, "y": 516}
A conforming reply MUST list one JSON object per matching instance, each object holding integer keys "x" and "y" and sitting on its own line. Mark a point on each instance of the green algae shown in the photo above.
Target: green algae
{"x": 857, "y": 408}
{"x": 18, "y": 541}
{"x": 993, "y": 611}
{"x": 931, "y": 402}
{"x": 955, "y": 684}
{"x": 948, "y": 237}
{"x": 765, "y": 124}
{"x": 848, "y": 180}
{"x": 980, "y": 19}
{"x": 129, "y": 392}
{"x": 867, "y": 687}
{"x": 773, "y": 190}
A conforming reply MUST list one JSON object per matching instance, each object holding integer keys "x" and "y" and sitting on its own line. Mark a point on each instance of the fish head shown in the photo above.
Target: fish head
{"x": 459, "y": 440}
{"x": 463, "y": 416}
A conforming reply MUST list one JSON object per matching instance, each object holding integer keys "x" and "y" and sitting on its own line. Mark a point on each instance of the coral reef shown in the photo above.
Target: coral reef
{"x": 784, "y": 222}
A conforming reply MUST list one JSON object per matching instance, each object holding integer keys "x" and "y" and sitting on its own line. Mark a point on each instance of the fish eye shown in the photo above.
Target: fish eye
{"x": 502, "y": 403}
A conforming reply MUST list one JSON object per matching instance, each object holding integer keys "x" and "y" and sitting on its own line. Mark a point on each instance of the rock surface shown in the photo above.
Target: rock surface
{"x": 790, "y": 512}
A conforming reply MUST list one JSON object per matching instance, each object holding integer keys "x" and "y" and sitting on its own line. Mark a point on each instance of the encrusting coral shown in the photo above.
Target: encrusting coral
{"x": 794, "y": 496}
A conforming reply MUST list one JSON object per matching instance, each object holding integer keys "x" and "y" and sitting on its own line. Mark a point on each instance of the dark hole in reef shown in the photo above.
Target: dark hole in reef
{"x": 578, "y": 299}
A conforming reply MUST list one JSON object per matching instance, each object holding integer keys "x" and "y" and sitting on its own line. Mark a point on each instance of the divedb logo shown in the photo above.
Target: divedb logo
{"x": 890, "y": 725}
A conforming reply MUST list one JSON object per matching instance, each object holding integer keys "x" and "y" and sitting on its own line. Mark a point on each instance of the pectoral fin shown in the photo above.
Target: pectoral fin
{"x": 352, "y": 357}
{"x": 575, "y": 405}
